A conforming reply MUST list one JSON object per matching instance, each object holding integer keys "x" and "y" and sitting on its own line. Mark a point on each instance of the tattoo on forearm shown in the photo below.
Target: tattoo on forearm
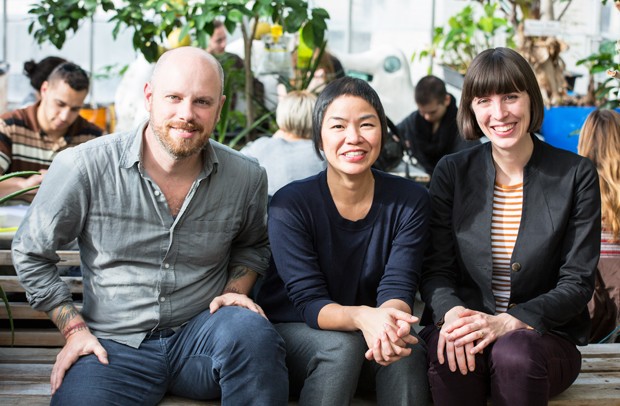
{"x": 235, "y": 274}
{"x": 231, "y": 289}
{"x": 63, "y": 314}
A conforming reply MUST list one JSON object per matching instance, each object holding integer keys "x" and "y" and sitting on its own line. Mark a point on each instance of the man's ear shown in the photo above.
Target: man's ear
{"x": 148, "y": 96}
{"x": 222, "y": 101}
{"x": 446, "y": 102}
{"x": 44, "y": 86}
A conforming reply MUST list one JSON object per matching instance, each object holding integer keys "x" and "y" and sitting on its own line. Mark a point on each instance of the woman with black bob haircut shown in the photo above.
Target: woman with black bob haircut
{"x": 515, "y": 236}
{"x": 347, "y": 249}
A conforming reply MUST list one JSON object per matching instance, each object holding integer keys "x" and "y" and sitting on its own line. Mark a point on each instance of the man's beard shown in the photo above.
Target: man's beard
{"x": 180, "y": 148}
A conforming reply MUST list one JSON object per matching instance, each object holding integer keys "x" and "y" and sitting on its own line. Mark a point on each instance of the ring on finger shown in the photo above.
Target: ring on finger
{"x": 481, "y": 333}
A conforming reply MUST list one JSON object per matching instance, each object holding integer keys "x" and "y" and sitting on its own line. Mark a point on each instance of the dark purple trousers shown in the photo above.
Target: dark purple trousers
{"x": 521, "y": 368}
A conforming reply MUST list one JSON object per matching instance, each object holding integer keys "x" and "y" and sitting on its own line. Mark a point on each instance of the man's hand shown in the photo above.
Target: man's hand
{"x": 80, "y": 343}
{"x": 235, "y": 299}
{"x": 18, "y": 183}
{"x": 34, "y": 180}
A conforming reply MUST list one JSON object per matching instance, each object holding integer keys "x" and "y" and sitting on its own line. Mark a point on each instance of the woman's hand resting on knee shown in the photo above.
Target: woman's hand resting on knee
{"x": 467, "y": 332}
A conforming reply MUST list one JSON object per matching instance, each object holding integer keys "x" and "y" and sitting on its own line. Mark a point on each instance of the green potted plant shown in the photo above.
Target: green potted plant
{"x": 152, "y": 21}
{"x": 3, "y": 200}
{"x": 605, "y": 93}
{"x": 468, "y": 32}
{"x": 564, "y": 114}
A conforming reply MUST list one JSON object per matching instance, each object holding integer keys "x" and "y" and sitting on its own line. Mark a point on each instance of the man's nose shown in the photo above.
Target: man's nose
{"x": 186, "y": 110}
{"x": 65, "y": 114}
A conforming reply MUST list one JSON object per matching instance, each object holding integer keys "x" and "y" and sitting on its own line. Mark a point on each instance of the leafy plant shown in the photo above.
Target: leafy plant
{"x": 153, "y": 20}
{"x": 305, "y": 74}
{"x": 4, "y": 199}
{"x": 464, "y": 37}
{"x": 231, "y": 127}
{"x": 606, "y": 93}
{"x": 470, "y": 31}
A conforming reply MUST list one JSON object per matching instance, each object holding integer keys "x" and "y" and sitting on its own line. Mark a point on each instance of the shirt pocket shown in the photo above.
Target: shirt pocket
{"x": 207, "y": 242}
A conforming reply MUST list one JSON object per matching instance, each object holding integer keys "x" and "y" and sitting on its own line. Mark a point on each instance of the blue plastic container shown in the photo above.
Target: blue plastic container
{"x": 562, "y": 124}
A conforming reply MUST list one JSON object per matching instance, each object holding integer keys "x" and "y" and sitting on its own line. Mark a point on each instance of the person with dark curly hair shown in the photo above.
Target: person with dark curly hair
{"x": 32, "y": 136}
{"x": 38, "y": 72}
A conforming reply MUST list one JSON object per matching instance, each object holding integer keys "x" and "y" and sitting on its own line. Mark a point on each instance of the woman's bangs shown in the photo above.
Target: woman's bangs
{"x": 498, "y": 78}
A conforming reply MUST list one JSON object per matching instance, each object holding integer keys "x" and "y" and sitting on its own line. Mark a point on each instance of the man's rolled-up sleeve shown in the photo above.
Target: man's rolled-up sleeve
{"x": 54, "y": 219}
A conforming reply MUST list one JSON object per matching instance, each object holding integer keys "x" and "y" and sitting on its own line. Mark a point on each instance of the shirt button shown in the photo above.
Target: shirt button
{"x": 516, "y": 267}
{"x": 156, "y": 193}
{"x": 166, "y": 266}
{"x": 162, "y": 299}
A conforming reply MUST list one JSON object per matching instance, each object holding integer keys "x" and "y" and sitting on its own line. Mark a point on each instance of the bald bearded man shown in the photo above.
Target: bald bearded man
{"x": 172, "y": 233}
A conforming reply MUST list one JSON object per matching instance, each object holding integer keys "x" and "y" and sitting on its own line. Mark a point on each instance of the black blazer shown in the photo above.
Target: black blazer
{"x": 556, "y": 252}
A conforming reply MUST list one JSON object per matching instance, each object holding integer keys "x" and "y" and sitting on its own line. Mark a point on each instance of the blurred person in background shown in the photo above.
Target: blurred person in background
{"x": 289, "y": 154}
{"x": 600, "y": 141}
{"x": 31, "y": 137}
{"x": 431, "y": 132}
{"x": 38, "y": 72}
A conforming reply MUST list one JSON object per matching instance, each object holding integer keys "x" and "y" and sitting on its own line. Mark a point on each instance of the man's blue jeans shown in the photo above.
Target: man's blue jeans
{"x": 234, "y": 354}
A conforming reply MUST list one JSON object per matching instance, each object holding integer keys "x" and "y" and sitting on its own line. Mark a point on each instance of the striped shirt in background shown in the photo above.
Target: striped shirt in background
{"x": 25, "y": 147}
{"x": 507, "y": 208}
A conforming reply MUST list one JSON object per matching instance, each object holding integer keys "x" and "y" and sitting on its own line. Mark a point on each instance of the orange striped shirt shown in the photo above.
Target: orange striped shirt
{"x": 507, "y": 209}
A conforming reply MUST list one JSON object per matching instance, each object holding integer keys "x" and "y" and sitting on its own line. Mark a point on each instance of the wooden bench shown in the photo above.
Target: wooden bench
{"x": 25, "y": 372}
{"x": 33, "y": 328}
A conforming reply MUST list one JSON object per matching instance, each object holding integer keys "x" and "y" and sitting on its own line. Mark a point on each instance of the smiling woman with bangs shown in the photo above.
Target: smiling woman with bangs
{"x": 515, "y": 230}
{"x": 347, "y": 250}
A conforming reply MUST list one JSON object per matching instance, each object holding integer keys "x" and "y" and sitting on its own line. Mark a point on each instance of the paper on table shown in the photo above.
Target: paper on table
{"x": 11, "y": 217}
